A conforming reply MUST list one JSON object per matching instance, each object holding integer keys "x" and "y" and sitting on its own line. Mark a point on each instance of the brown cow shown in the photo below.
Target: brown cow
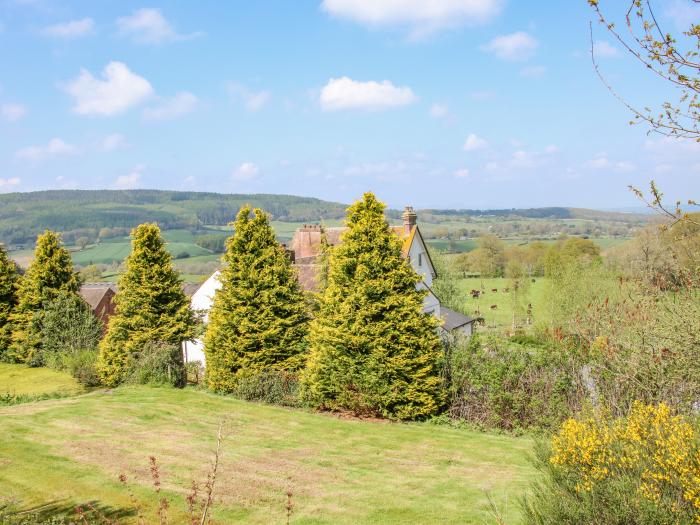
{"x": 493, "y": 306}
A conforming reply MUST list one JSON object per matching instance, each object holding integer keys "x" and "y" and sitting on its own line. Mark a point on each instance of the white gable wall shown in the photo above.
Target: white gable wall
{"x": 418, "y": 255}
{"x": 201, "y": 301}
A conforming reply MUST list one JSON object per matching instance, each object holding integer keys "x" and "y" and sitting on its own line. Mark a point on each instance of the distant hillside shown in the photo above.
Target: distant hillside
{"x": 81, "y": 212}
{"x": 557, "y": 213}
{"x": 111, "y": 214}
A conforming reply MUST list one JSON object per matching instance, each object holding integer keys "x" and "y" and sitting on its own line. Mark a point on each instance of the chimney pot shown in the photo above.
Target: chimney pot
{"x": 409, "y": 219}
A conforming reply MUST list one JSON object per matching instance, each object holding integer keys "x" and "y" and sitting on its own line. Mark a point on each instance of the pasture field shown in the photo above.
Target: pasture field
{"x": 339, "y": 470}
{"x": 502, "y": 315}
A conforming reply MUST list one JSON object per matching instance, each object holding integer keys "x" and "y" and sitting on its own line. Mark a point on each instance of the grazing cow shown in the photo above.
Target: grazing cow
{"x": 495, "y": 290}
{"x": 493, "y": 306}
{"x": 475, "y": 294}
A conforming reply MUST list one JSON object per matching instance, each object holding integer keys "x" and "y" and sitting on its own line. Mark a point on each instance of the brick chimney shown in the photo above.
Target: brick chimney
{"x": 409, "y": 219}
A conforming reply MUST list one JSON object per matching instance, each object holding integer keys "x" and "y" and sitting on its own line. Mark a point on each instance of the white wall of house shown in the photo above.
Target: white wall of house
{"x": 418, "y": 255}
{"x": 201, "y": 301}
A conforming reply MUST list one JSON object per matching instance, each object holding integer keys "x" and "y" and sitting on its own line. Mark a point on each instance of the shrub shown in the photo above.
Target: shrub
{"x": 158, "y": 363}
{"x": 495, "y": 382}
{"x": 82, "y": 365}
{"x": 277, "y": 387}
{"x": 68, "y": 326}
{"x": 638, "y": 469}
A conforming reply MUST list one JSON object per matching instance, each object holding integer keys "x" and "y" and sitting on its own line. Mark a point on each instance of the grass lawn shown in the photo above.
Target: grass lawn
{"x": 502, "y": 315}
{"x": 341, "y": 471}
{"x": 22, "y": 380}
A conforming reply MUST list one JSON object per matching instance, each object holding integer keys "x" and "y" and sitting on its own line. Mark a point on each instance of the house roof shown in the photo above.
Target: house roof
{"x": 453, "y": 319}
{"x": 190, "y": 288}
{"x": 93, "y": 293}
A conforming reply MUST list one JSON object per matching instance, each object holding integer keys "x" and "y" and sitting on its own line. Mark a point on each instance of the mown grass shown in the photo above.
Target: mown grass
{"x": 340, "y": 471}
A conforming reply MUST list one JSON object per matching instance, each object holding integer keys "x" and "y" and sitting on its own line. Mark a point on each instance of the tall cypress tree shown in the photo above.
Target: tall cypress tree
{"x": 258, "y": 320}
{"x": 372, "y": 349}
{"x": 49, "y": 274}
{"x": 150, "y": 306}
{"x": 8, "y": 299}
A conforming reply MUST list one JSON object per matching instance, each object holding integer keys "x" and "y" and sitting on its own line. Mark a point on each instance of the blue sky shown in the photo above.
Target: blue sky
{"x": 449, "y": 103}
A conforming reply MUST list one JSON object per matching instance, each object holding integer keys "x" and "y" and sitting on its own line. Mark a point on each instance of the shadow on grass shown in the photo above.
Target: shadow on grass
{"x": 63, "y": 512}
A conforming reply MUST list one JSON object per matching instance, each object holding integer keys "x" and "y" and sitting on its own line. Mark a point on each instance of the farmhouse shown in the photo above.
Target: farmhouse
{"x": 304, "y": 251}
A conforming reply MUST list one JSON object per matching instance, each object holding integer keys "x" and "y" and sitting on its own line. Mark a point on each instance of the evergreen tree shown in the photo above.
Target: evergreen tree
{"x": 8, "y": 299}
{"x": 150, "y": 306}
{"x": 372, "y": 349}
{"x": 258, "y": 321}
{"x": 49, "y": 274}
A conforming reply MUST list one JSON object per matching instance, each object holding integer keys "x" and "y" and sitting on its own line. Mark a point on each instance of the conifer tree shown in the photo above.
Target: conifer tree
{"x": 49, "y": 274}
{"x": 151, "y": 306}
{"x": 372, "y": 349}
{"x": 258, "y": 321}
{"x": 8, "y": 299}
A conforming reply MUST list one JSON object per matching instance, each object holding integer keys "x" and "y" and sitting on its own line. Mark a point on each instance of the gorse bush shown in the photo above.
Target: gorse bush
{"x": 640, "y": 469}
{"x": 510, "y": 384}
{"x": 158, "y": 363}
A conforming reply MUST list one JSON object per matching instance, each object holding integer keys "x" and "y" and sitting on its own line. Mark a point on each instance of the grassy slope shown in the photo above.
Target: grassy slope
{"x": 340, "y": 471}
{"x": 21, "y": 380}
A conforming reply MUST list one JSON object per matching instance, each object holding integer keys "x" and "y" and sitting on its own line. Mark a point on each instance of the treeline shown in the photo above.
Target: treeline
{"x": 72, "y": 212}
{"x": 362, "y": 345}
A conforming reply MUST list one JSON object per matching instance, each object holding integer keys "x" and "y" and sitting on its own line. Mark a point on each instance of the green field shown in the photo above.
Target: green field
{"x": 21, "y": 380}
{"x": 502, "y": 315}
{"x": 340, "y": 471}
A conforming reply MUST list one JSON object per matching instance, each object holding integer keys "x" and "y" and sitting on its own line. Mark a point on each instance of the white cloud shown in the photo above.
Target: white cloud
{"x": 533, "y": 71}
{"x": 246, "y": 171}
{"x": 56, "y": 147}
{"x": 113, "y": 142}
{"x": 172, "y": 107}
{"x": 252, "y": 100}
{"x": 602, "y": 162}
{"x": 149, "y": 26}
{"x": 345, "y": 93}
{"x": 422, "y": 17}
{"x": 130, "y": 181}
{"x": 439, "y": 110}
{"x": 516, "y": 47}
{"x": 117, "y": 91}
{"x": 461, "y": 174}
{"x": 12, "y": 112}
{"x": 474, "y": 142}
{"x": 603, "y": 49}
{"x": 8, "y": 184}
{"x": 72, "y": 29}
{"x": 551, "y": 149}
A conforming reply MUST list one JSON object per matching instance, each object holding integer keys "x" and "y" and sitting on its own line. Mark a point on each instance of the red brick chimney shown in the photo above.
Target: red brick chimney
{"x": 409, "y": 219}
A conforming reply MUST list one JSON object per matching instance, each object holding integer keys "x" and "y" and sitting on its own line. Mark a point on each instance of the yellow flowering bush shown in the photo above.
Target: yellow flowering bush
{"x": 649, "y": 459}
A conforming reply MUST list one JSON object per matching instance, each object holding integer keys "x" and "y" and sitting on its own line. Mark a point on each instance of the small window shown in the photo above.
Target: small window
{"x": 420, "y": 259}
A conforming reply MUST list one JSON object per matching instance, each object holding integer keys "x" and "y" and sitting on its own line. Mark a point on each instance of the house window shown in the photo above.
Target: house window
{"x": 420, "y": 259}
